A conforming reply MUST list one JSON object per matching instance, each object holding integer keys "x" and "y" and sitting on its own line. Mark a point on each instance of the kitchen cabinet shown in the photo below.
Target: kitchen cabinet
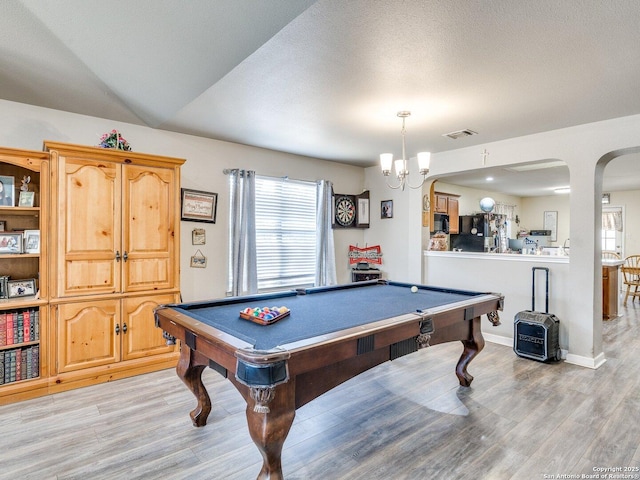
{"x": 446, "y": 203}
{"x": 441, "y": 203}
{"x": 610, "y": 288}
{"x": 454, "y": 218}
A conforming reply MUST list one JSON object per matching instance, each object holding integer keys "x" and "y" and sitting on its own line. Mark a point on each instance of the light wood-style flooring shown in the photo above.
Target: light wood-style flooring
{"x": 406, "y": 419}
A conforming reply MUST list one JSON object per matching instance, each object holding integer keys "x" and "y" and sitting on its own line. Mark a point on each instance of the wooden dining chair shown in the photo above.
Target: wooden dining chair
{"x": 610, "y": 255}
{"x": 631, "y": 272}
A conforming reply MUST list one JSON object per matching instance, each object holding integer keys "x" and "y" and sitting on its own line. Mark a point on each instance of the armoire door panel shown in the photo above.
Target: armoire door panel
{"x": 149, "y": 274}
{"x": 148, "y": 230}
{"x": 90, "y": 227}
{"x": 142, "y": 338}
{"x": 85, "y": 277}
{"x": 88, "y": 334}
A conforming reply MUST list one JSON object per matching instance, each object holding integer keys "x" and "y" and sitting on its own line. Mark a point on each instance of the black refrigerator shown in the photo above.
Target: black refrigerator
{"x": 475, "y": 233}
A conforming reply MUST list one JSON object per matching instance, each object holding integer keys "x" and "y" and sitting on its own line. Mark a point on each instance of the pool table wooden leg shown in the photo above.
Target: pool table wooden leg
{"x": 471, "y": 348}
{"x": 189, "y": 369}
{"x": 269, "y": 430}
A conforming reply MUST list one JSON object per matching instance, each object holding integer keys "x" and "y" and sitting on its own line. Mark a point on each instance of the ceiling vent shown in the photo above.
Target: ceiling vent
{"x": 460, "y": 133}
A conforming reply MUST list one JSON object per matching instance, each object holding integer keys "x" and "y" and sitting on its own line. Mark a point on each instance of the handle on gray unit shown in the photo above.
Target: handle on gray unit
{"x": 533, "y": 288}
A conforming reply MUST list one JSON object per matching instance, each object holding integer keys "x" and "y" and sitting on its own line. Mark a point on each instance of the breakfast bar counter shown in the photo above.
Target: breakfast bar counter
{"x": 511, "y": 275}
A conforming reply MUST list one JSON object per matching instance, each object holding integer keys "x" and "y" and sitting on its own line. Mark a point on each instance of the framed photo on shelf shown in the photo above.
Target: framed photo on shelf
{"x": 21, "y": 288}
{"x": 32, "y": 241}
{"x": 7, "y": 187}
{"x": 10, "y": 242}
{"x": 26, "y": 199}
{"x": 2, "y": 225}
{"x": 198, "y": 206}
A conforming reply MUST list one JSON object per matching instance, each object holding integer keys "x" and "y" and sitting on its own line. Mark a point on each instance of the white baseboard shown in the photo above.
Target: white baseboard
{"x": 579, "y": 360}
{"x": 499, "y": 339}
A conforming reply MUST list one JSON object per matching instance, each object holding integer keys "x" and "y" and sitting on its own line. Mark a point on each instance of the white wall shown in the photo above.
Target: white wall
{"x": 400, "y": 237}
{"x": 532, "y": 214}
{"x": 26, "y": 127}
{"x": 630, "y": 203}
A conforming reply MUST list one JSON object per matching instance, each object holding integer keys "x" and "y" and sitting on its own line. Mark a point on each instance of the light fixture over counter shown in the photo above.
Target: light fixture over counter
{"x": 402, "y": 165}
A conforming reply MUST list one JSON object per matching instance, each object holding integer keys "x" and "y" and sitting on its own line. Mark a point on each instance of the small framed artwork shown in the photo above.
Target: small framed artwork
{"x": 26, "y": 199}
{"x": 7, "y": 191}
{"x": 10, "y": 242}
{"x": 550, "y": 223}
{"x": 386, "y": 209}
{"x": 198, "y": 236}
{"x": 2, "y": 225}
{"x": 32, "y": 241}
{"x": 198, "y": 260}
{"x": 21, "y": 288}
{"x": 198, "y": 206}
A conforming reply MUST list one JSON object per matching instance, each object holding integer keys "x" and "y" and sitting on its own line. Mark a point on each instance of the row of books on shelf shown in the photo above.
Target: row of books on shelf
{"x": 19, "y": 326}
{"x": 19, "y": 364}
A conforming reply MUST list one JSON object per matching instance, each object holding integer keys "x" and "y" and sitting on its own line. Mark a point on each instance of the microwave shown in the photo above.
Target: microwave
{"x": 440, "y": 223}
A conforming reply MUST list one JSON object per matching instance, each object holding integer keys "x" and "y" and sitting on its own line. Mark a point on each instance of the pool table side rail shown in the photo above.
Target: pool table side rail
{"x": 482, "y": 305}
{"x": 333, "y": 288}
{"x": 386, "y": 332}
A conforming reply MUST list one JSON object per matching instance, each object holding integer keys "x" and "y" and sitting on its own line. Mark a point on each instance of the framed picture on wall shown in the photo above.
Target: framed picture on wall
{"x": 386, "y": 209}
{"x": 551, "y": 223}
{"x": 198, "y": 206}
{"x": 198, "y": 236}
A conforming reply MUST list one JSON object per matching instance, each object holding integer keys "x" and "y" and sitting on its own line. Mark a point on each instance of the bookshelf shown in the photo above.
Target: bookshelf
{"x": 23, "y": 274}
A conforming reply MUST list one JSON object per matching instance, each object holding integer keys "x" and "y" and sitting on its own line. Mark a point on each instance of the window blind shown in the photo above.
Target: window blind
{"x": 285, "y": 232}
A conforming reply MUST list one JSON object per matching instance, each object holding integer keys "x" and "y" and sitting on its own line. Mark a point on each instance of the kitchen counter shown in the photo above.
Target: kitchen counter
{"x": 510, "y": 274}
{"x": 511, "y": 257}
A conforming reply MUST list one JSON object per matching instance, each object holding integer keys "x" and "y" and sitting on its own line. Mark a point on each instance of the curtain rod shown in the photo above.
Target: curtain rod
{"x": 229, "y": 171}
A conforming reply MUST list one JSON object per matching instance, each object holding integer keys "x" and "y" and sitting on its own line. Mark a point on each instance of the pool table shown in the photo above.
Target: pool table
{"x": 330, "y": 335}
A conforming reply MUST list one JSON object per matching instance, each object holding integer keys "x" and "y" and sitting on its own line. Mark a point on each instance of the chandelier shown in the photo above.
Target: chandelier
{"x": 401, "y": 165}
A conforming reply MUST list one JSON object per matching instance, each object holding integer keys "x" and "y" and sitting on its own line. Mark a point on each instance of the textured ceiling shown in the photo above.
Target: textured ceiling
{"x": 325, "y": 78}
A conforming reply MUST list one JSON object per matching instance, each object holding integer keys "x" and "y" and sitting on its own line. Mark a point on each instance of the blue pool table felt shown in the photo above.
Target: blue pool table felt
{"x": 318, "y": 313}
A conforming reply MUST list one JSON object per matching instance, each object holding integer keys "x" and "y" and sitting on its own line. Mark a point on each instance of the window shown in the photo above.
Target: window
{"x": 612, "y": 229}
{"x": 285, "y": 232}
{"x": 609, "y": 240}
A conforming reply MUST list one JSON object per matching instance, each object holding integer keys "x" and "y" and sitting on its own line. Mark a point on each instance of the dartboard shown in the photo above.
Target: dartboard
{"x": 345, "y": 211}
